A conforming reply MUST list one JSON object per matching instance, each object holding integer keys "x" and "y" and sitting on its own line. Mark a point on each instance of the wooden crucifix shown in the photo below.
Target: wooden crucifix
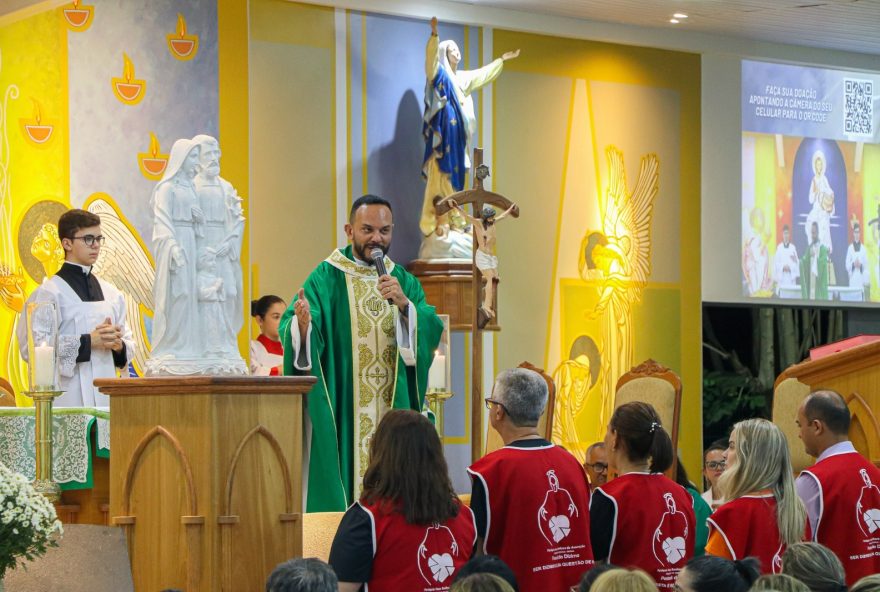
{"x": 485, "y": 266}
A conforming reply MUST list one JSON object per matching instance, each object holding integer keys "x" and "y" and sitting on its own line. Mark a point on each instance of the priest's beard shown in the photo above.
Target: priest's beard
{"x": 362, "y": 250}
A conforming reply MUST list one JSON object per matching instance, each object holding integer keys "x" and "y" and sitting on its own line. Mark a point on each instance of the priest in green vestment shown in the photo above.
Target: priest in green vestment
{"x": 369, "y": 340}
{"x": 814, "y": 268}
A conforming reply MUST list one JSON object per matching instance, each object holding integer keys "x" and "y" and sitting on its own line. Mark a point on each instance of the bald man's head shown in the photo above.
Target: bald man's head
{"x": 828, "y": 407}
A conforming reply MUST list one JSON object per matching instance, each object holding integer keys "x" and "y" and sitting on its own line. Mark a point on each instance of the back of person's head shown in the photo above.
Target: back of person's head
{"x": 74, "y": 220}
{"x": 816, "y": 566}
{"x": 492, "y": 564}
{"x": 761, "y": 461}
{"x": 481, "y": 582}
{"x": 302, "y": 575}
{"x": 638, "y": 427}
{"x": 867, "y": 584}
{"x": 592, "y": 574}
{"x": 523, "y": 393}
{"x": 830, "y": 408}
{"x": 261, "y": 306}
{"x": 408, "y": 471}
{"x": 709, "y": 573}
{"x": 624, "y": 580}
{"x": 779, "y": 583}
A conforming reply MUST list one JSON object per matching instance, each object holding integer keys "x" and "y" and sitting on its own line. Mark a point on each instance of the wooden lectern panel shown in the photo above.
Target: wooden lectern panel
{"x": 205, "y": 478}
{"x": 849, "y": 372}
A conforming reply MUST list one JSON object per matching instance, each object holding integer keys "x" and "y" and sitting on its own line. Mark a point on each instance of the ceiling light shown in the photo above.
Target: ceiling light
{"x": 680, "y": 15}
{"x": 674, "y": 21}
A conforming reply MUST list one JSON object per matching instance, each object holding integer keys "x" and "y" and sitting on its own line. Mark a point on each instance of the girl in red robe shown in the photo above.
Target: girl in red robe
{"x": 267, "y": 354}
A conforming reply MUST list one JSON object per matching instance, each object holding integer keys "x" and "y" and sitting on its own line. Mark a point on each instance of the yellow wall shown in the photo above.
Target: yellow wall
{"x": 556, "y": 109}
{"x": 292, "y": 112}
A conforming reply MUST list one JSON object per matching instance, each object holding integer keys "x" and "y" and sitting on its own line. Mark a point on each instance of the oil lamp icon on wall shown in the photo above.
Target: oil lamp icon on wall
{"x": 128, "y": 89}
{"x": 153, "y": 163}
{"x": 38, "y": 130}
{"x": 78, "y": 18}
{"x": 182, "y": 46}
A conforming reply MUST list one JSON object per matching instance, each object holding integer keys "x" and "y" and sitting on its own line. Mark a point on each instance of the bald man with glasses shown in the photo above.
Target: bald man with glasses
{"x": 93, "y": 336}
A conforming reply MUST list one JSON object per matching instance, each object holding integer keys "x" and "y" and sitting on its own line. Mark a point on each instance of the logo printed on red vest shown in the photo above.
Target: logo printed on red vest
{"x": 555, "y": 527}
{"x": 435, "y": 554}
{"x": 868, "y": 506}
{"x": 669, "y": 537}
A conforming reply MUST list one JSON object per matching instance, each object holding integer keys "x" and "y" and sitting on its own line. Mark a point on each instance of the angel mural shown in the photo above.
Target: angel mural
{"x": 618, "y": 257}
{"x": 575, "y": 379}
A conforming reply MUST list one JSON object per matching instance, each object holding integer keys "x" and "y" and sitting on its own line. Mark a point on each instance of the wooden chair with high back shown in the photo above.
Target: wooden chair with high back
{"x": 7, "y": 394}
{"x": 654, "y": 383}
{"x": 545, "y": 422}
{"x": 864, "y": 430}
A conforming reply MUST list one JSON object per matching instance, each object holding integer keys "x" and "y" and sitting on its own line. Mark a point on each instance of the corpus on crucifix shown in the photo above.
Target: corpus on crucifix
{"x": 485, "y": 266}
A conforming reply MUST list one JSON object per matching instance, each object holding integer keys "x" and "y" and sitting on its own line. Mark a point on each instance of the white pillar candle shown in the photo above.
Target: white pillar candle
{"x": 44, "y": 366}
{"x": 437, "y": 373}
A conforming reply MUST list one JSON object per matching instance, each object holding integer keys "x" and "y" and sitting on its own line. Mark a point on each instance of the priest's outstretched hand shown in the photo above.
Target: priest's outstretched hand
{"x": 303, "y": 314}
{"x": 390, "y": 289}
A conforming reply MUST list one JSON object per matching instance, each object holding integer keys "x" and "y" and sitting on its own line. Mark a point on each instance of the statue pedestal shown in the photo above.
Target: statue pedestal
{"x": 448, "y": 285}
{"x": 205, "y": 477}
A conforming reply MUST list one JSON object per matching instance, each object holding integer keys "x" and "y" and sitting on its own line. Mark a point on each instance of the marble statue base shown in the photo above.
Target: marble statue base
{"x": 210, "y": 366}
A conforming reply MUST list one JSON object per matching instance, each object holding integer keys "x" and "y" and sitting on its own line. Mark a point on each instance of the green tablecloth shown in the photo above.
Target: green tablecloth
{"x": 72, "y": 445}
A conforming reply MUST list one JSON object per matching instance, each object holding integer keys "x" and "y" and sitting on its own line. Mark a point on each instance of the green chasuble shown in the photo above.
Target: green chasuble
{"x": 820, "y": 290}
{"x": 360, "y": 372}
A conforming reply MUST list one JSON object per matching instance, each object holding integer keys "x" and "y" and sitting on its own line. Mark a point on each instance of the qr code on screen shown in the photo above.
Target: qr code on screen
{"x": 858, "y": 111}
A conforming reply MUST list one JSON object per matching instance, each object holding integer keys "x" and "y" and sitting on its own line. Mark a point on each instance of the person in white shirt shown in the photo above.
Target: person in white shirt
{"x": 857, "y": 262}
{"x": 713, "y": 467}
{"x": 786, "y": 266}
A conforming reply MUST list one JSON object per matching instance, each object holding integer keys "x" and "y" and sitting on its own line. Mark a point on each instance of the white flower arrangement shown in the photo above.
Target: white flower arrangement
{"x": 28, "y": 523}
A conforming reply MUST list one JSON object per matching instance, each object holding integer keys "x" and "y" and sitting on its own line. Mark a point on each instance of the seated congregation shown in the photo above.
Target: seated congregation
{"x": 536, "y": 523}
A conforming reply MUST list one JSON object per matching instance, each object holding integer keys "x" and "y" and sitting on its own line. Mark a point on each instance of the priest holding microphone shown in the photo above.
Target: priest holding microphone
{"x": 361, "y": 326}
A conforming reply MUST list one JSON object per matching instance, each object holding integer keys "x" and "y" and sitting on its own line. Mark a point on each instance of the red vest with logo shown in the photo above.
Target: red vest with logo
{"x": 748, "y": 526}
{"x": 537, "y": 515}
{"x": 416, "y": 557}
{"x": 849, "y": 522}
{"x": 654, "y": 525}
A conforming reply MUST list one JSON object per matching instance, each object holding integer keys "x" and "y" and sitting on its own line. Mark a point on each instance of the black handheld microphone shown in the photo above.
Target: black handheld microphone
{"x": 378, "y": 258}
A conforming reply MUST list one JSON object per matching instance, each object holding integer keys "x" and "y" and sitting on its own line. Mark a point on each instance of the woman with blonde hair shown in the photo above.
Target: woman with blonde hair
{"x": 764, "y": 514}
{"x": 867, "y": 584}
{"x": 816, "y": 566}
{"x": 624, "y": 580}
{"x": 779, "y": 583}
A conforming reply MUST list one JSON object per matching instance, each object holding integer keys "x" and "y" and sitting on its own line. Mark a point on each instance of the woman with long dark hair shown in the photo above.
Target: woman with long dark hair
{"x": 641, "y": 519}
{"x": 408, "y": 531}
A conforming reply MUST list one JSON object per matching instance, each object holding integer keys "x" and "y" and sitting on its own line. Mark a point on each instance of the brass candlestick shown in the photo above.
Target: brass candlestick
{"x": 43, "y": 481}
{"x": 436, "y": 399}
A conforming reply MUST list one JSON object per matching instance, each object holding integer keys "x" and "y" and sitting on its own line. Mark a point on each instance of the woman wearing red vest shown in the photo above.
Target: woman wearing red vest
{"x": 642, "y": 519}
{"x": 408, "y": 531}
{"x": 764, "y": 514}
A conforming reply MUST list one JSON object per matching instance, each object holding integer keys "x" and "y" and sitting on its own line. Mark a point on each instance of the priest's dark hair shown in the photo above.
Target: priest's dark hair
{"x": 368, "y": 200}
{"x": 73, "y": 220}
{"x": 261, "y": 306}
{"x": 492, "y": 564}
{"x": 830, "y": 408}
{"x": 407, "y": 471}
{"x": 638, "y": 427}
